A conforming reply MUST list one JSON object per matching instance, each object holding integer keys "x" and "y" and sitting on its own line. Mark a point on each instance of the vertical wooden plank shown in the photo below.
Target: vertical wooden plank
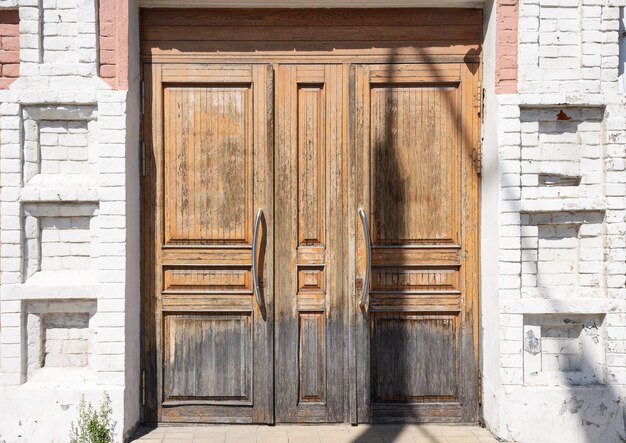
{"x": 263, "y": 196}
{"x": 150, "y": 238}
{"x": 470, "y": 223}
{"x": 156, "y": 149}
{"x": 310, "y": 188}
{"x": 285, "y": 249}
{"x": 312, "y": 357}
{"x": 362, "y": 154}
{"x": 311, "y": 164}
{"x": 349, "y": 243}
{"x": 334, "y": 218}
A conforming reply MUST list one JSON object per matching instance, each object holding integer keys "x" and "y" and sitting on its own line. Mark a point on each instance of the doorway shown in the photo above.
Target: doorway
{"x": 310, "y": 216}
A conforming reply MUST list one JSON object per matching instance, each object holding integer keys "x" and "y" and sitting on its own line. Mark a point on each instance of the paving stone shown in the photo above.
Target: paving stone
{"x": 342, "y": 433}
{"x": 462, "y": 439}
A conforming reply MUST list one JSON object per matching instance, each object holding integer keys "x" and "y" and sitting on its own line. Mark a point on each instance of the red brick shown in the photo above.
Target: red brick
{"x": 5, "y": 82}
{"x": 10, "y": 16}
{"x": 506, "y": 74}
{"x": 509, "y": 50}
{"x": 107, "y": 43}
{"x": 113, "y": 17}
{"x": 107, "y": 10}
{"x": 506, "y": 46}
{"x": 107, "y": 71}
{"x": 11, "y": 70}
{"x": 507, "y": 37}
{"x": 10, "y": 43}
{"x": 507, "y": 62}
{"x": 9, "y": 30}
{"x": 9, "y": 57}
{"x": 107, "y": 29}
{"x": 107, "y": 57}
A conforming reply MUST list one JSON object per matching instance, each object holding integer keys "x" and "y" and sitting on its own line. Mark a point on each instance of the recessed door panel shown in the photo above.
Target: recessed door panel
{"x": 413, "y": 357}
{"x": 414, "y": 162}
{"x": 208, "y": 357}
{"x": 312, "y": 357}
{"x": 208, "y": 187}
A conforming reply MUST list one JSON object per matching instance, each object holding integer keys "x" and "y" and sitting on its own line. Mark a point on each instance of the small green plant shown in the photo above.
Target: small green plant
{"x": 93, "y": 426}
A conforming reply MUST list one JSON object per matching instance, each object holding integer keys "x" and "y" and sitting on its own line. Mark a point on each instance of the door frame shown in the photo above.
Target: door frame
{"x": 147, "y": 352}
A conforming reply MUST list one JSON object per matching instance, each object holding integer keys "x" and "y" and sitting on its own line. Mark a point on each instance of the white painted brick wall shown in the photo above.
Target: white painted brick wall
{"x": 59, "y": 334}
{"x": 63, "y": 178}
{"x": 561, "y": 227}
{"x": 567, "y": 46}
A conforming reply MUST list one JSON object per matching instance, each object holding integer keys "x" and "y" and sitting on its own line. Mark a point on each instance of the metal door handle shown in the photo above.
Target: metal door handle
{"x": 365, "y": 295}
{"x": 255, "y": 277}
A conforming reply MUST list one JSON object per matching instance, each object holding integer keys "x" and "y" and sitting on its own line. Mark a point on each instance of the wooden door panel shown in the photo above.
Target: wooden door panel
{"x": 208, "y": 357}
{"x": 311, "y": 162}
{"x": 309, "y": 211}
{"x": 390, "y": 278}
{"x": 210, "y": 353}
{"x": 208, "y": 188}
{"x": 211, "y": 164}
{"x": 312, "y": 357}
{"x": 206, "y": 278}
{"x": 413, "y": 140}
{"x": 413, "y": 357}
{"x": 414, "y": 163}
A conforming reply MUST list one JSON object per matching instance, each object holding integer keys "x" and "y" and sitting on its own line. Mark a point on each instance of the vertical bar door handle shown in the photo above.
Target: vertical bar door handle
{"x": 365, "y": 295}
{"x": 255, "y": 276}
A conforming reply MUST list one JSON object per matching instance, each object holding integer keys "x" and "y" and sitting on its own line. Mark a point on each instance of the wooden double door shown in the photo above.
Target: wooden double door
{"x": 310, "y": 242}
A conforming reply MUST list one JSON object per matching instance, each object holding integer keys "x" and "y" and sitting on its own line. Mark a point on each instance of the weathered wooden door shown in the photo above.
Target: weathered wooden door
{"x": 310, "y": 115}
{"x": 310, "y": 302}
{"x": 415, "y": 137}
{"x": 209, "y": 187}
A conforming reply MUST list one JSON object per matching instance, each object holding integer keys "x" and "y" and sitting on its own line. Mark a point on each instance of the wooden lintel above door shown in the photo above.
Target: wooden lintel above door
{"x": 386, "y": 35}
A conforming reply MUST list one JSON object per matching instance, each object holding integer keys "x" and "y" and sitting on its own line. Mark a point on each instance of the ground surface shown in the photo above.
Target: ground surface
{"x": 342, "y": 433}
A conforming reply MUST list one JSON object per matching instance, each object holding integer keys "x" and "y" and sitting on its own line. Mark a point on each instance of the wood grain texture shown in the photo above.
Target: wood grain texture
{"x": 414, "y": 164}
{"x": 203, "y": 278}
{"x": 312, "y": 357}
{"x": 321, "y": 17}
{"x": 311, "y": 168}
